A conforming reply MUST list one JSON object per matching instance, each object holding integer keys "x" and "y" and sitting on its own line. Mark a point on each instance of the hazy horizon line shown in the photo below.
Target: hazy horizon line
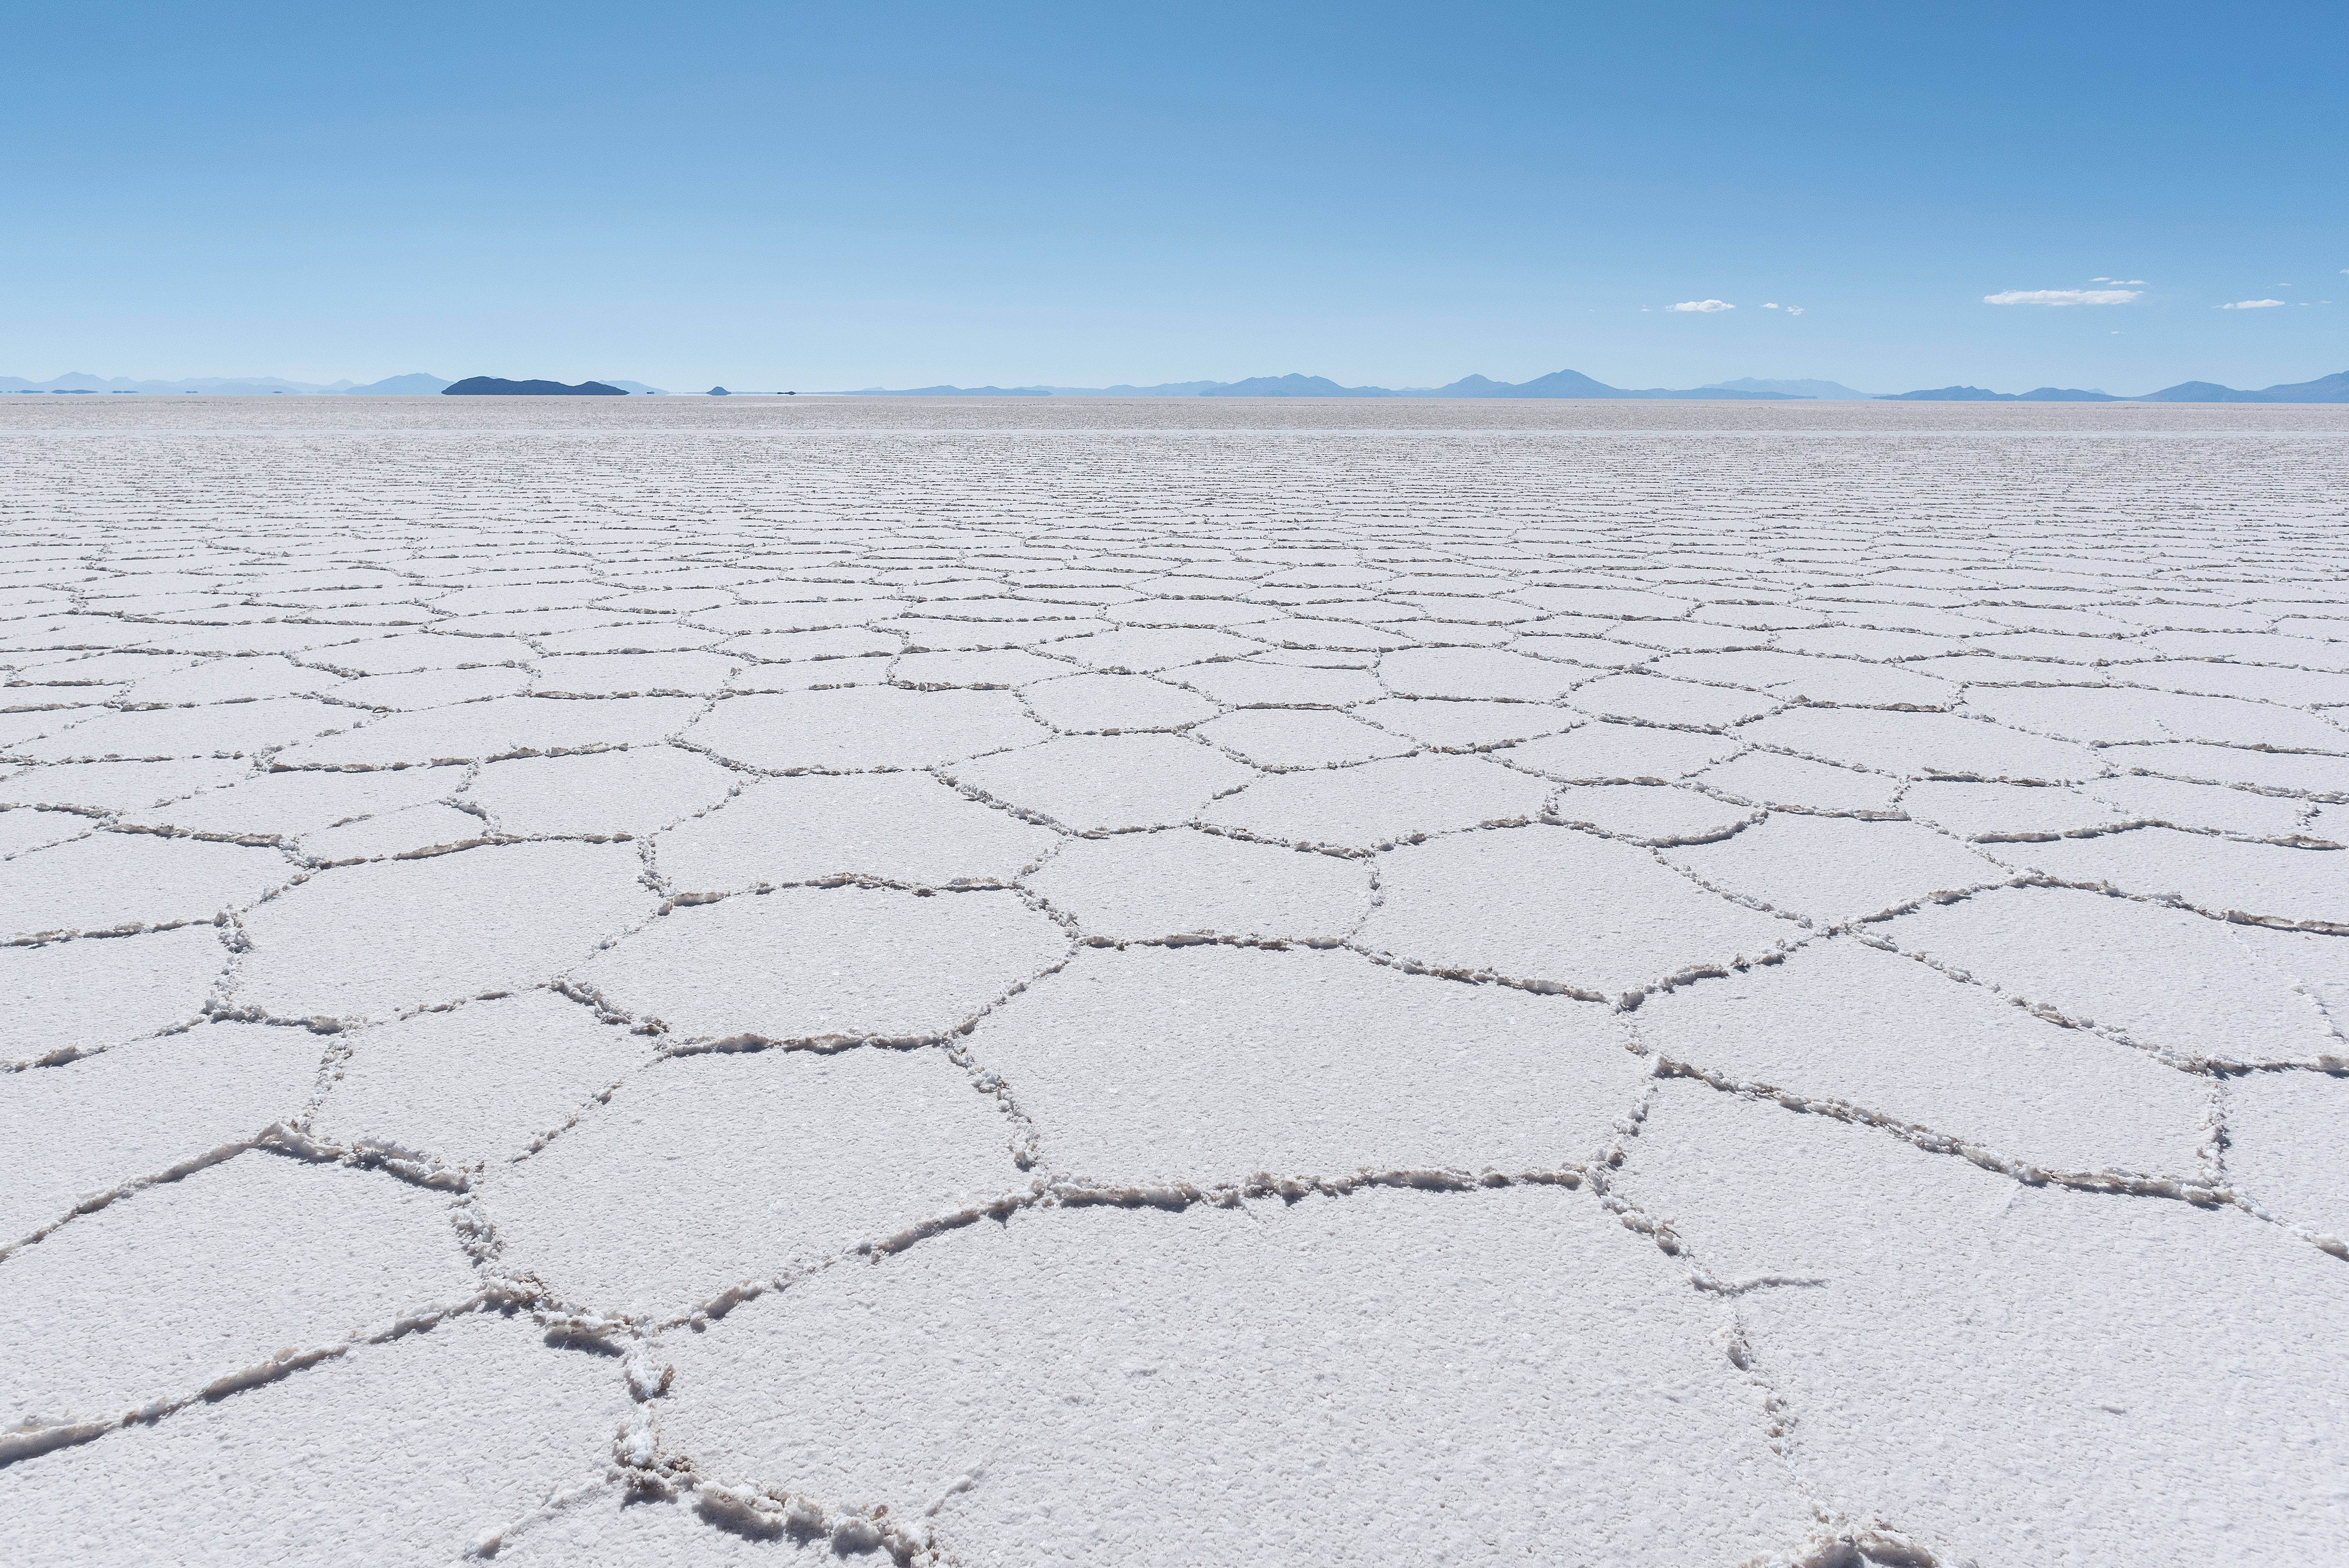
{"x": 93, "y": 383}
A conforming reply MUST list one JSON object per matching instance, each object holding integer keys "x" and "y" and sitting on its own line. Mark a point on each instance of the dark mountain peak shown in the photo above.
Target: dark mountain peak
{"x": 492, "y": 387}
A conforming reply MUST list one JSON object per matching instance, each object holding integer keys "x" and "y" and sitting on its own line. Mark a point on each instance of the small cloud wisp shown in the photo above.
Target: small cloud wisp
{"x": 2060, "y": 296}
{"x": 1705, "y": 306}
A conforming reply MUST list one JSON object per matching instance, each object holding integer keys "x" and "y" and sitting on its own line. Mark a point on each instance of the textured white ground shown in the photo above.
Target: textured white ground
{"x": 1145, "y": 984}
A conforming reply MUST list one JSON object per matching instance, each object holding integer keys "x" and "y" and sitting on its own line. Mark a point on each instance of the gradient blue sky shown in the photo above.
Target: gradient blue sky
{"x": 828, "y": 196}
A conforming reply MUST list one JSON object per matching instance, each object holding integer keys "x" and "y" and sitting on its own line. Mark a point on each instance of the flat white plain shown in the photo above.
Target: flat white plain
{"x": 1172, "y": 982}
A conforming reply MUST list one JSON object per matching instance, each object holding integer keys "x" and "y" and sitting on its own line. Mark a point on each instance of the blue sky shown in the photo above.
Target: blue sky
{"x": 903, "y": 194}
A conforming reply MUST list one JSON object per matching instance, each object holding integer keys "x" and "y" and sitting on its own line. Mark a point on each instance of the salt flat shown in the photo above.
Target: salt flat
{"x": 1118, "y": 982}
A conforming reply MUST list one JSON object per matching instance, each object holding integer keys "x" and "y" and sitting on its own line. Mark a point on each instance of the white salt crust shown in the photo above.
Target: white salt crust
{"x": 2014, "y": 1372}
{"x": 1008, "y": 983}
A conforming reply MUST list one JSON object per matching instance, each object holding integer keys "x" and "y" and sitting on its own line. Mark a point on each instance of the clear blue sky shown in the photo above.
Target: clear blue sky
{"x": 819, "y": 196}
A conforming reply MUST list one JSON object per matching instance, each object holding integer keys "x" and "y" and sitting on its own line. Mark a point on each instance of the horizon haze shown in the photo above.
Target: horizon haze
{"x": 1558, "y": 384}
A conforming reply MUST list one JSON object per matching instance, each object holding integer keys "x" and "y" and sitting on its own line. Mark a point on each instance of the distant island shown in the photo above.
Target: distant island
{"x": 1574, "y": 384}
{"x": 492, "y": 387}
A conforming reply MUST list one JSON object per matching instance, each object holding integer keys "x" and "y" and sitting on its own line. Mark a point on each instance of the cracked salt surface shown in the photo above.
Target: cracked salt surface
{"x": 824, "y": 965}
{"x": 960, "y": 985}
{"x": 642, "y": 1207}
{"x": 1301, "y": 1066}
{"x": 2015, "y": 1373}
{"x": 1517, "y": 1348}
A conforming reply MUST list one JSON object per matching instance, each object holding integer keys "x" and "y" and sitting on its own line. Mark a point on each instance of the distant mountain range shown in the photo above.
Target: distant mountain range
{"x": 1556, "y": 384}
{"x": 2332, "y": 388}
{"x": 1163, "y": 389}
{"x": 1574, "y": 384}
{"x": 420, "y": 384}
{"x": 1981, "y": 394}
{"x": 1830, "y": 391}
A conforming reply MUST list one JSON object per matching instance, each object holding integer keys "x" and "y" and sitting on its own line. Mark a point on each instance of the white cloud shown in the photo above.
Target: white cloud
{"x": 1706, "y": 305}
{"x": 2251, "y": 305}
{"x": 2121, "y": 283}
{"x": 2060, "y": 296}
{"x": 1794, "y": 310}
{"x": 1769, "y": 304}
